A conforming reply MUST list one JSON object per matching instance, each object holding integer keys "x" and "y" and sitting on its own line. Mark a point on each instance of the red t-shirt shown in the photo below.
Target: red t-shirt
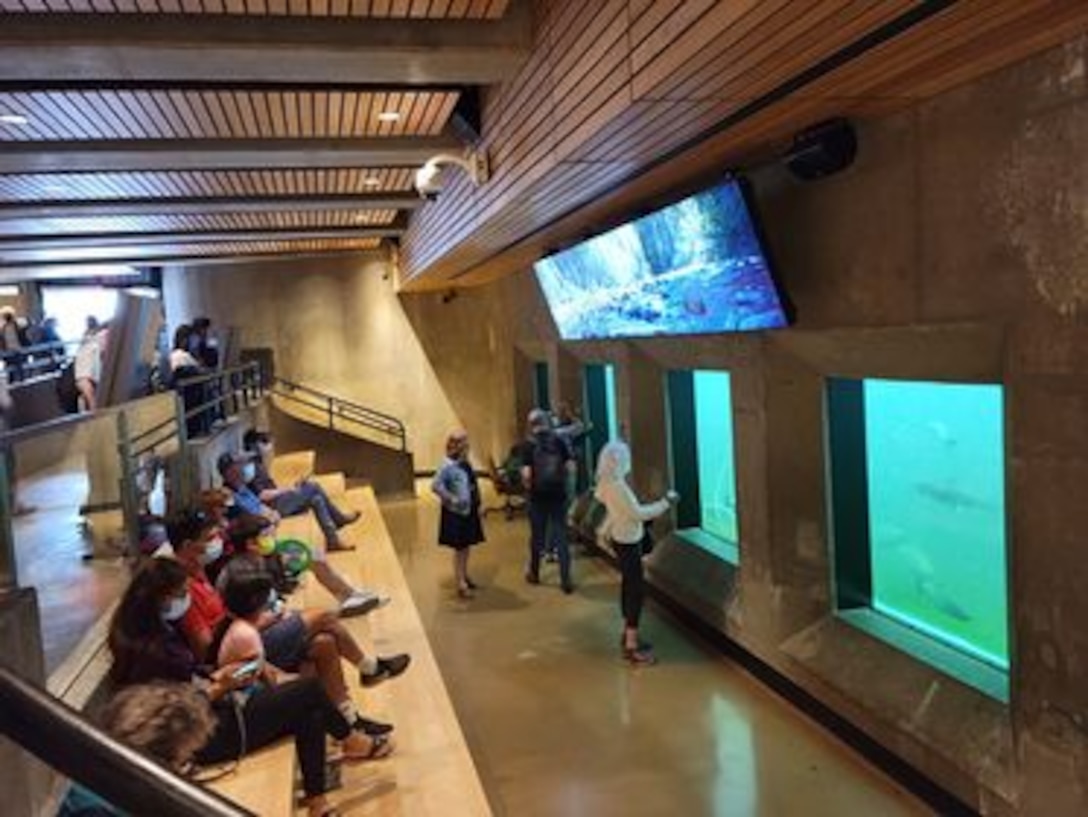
{"x": 205, "y": 612}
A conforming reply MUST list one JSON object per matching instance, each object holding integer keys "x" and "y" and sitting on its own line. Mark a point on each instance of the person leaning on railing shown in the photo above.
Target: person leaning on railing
{"x": 249, "y": 713}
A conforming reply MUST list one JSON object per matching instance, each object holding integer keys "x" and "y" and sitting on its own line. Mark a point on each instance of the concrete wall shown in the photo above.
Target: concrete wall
{"x": 956, "y": 248}
{"x": 334, "y": 324}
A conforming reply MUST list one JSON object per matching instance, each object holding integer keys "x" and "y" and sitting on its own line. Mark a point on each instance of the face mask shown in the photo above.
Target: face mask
{"x": 212, "y": 551}
{"x": 176, "y": 608}
{"x": 273, "y": 600}
{"x": 266, "y": 545}
{"x": 265, "y": 450}
{"x": 249, "y": 472}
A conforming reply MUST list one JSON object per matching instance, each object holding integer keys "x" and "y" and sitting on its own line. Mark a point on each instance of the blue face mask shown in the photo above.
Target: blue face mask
{"x": 249, "y": 472}
{"x": 212, "y": 551}
{"x": 176, "y": 608}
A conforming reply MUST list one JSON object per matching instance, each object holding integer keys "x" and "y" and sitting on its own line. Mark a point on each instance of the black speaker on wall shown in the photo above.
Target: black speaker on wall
{"x": 823, "y": 149}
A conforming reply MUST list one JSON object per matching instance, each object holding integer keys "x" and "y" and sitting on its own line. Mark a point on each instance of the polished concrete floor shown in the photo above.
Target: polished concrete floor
{"x": 50, "y": 544}
{"x": 559, "y": 725}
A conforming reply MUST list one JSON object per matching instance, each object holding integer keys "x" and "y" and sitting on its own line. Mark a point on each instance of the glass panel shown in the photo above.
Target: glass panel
{"x": 714, "y": 440}
{"x": 936, "y": 490}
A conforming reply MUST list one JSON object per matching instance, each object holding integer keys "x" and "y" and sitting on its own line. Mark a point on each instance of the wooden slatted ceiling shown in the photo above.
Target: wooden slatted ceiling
{"x": 613, "y": 86}
{"x": 391, "y": 9}
{"x": 29, "y": 187}
{"x": 222, "y": 114}
{"x": 182, "y": 250}
{"x": 290, "y": 220}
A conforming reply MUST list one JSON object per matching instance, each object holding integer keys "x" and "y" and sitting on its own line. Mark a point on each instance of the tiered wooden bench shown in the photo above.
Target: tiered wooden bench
{"x": 431, "y": 772}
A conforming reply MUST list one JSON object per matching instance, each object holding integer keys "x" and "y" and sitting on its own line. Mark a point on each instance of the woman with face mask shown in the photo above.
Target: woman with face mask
{"x": 624, "y": 527}
{"x": 146, "y": 646}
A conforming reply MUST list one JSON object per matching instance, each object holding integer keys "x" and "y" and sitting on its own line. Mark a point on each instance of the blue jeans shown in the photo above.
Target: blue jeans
{"x": 548, "y": 524}
{"x": 311, "y": 496}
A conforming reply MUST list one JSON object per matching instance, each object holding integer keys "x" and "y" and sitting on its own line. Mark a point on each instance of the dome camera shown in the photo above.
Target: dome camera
{"x": 428, "y": 178}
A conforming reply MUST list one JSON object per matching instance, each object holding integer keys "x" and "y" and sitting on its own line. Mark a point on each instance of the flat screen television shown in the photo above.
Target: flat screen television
{"x": 694, "y": 267}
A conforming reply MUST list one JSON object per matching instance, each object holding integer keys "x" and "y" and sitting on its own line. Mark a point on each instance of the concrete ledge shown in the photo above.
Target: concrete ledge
{"x": 960, "y": 735}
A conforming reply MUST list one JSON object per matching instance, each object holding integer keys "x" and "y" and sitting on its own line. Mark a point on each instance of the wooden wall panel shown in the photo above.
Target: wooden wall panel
{"x": 615, "y": 90}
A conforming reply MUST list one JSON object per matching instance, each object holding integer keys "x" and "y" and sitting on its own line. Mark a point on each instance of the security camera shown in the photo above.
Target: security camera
{"x": 429, "y": 183}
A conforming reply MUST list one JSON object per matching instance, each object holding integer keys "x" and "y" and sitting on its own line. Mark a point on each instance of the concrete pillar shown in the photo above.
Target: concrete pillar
{"x": 24, "y": 781}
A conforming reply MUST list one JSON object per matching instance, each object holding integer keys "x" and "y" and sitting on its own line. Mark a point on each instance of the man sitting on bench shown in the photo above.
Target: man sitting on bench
{"x": 237, "y": 471}
{"x": 307, "y": 495}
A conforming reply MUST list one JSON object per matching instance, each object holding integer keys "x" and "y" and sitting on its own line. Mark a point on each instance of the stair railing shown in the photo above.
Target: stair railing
{"x": 337, "y": 408}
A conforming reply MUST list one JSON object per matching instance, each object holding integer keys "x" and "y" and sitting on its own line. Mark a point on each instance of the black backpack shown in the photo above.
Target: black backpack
{"x": 549, "y": 465}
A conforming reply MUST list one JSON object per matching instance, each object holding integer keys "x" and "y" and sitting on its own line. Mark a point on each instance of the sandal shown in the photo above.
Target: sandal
{"x": 380, "y": 746}
{"x": 639, "y": 657}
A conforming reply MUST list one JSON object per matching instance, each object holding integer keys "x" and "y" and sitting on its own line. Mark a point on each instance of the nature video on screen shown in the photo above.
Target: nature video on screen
{"x": 693, "y": 267}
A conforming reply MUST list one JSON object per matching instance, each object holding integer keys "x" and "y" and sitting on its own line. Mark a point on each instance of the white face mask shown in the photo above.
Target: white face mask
{"x": 273, "y": 599}
{"x": 249, "y": 472}
{"x": 212, "y": 551}
{"x": 176, "y": 608}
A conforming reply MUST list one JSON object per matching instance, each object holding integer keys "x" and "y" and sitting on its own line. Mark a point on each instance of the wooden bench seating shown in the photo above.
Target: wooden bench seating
{"x": 431, "y": 771}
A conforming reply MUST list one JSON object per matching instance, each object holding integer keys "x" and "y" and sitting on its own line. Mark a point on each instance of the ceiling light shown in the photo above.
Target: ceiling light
{"x": 372, "y": 181}
{"x": 54, "y": 189}
{"x": 13, "y": 119}
{"x": 360, "y": 218}
{"x": 389, "y": 116}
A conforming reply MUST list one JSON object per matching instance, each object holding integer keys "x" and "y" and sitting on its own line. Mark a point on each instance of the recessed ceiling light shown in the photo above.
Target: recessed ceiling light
{"x": 13, "y": 119}
{"x": 372, "y": 181}
{"x": 54, "y": 189}
{"x": 388, "y": 116}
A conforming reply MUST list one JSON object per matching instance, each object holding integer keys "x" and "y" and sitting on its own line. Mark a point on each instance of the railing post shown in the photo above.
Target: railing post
{"x": 9, "y": 578}
{"x": 182, "y": 485}
{"x": 130, "y": 504}
{"x": 331, "y": 423}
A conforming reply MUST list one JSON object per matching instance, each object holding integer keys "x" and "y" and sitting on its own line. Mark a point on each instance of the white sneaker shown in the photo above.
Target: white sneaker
{"x": 361, "y": 602}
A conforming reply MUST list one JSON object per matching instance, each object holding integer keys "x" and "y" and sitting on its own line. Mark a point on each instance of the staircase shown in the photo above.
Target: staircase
{"x": 350, "y": 439}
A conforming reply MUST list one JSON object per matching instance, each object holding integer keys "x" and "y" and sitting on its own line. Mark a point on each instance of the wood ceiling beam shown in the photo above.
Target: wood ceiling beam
{"x": 10, "y": 247}
{"x": 180, "y": 48}
{"x": 205, "y": 206}
{"x": 219, "y": 154}
{"x": 42, "y": 270}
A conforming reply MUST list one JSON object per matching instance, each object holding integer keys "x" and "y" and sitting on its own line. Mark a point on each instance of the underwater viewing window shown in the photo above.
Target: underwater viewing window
{"x": 541, "y": 393}
{"x": 599, "y": 381}
{"x": 918, "y": 512}
{"x": 703, "y": 466}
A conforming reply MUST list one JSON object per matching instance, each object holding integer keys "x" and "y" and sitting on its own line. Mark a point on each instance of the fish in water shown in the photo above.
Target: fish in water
{"x": 950, "y": 497}
{"x": 926, "y": 584}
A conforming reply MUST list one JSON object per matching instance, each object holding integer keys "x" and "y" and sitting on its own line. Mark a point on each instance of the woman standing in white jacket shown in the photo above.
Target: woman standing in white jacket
{"x": 624, "y": 526}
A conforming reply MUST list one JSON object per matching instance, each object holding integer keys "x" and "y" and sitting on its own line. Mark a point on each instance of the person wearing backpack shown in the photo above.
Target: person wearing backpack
{"x": 547, "y": 469}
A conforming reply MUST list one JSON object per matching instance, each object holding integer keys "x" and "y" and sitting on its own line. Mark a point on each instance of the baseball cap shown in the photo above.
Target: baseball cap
{"x": 229, "y": 458}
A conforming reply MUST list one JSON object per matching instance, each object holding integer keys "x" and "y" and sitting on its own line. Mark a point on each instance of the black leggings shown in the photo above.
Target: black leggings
{"x": 300, "y": 709}
{"x": 631, "y": 592}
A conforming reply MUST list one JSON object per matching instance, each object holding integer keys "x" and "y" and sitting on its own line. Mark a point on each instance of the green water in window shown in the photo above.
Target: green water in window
{"x": 936, "y": 483}
{"x": 714, "y": 453}
{"x": 610, "y": 401}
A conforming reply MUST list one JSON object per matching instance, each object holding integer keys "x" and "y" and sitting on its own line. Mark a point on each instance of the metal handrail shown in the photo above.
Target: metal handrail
{"x": 24, "y": 363}
{"x": 346, "y": 410}
{"x": 65, "y": 740}
{"x": 250, "y": 374}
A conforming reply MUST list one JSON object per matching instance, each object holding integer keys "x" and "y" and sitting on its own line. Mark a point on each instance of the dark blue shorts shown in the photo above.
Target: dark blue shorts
{"x": 285, "y": 643}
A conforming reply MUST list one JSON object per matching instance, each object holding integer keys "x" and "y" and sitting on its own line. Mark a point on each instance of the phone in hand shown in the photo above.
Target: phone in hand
{"x": 247, "y": 669}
